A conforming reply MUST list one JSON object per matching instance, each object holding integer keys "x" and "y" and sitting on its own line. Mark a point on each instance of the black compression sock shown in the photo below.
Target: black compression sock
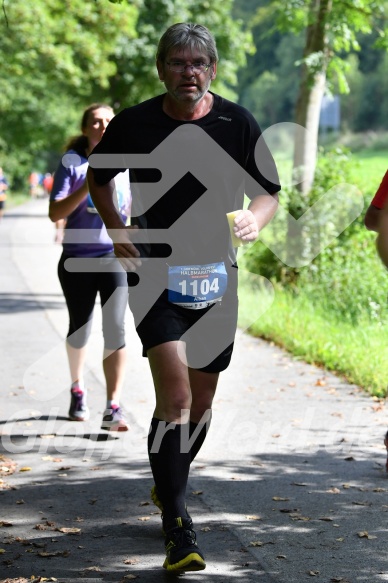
{"x": 201, "y": 432}
{"x": 170, "y": 465}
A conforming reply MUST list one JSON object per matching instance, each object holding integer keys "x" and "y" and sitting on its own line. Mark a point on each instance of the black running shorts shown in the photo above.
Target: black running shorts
{"x": 208, "y": 333}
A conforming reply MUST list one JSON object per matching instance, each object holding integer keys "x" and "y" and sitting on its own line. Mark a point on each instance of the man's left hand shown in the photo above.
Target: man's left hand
{"x": 246, "y": 227}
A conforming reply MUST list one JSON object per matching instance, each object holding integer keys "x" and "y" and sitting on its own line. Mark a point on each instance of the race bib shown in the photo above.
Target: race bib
{"x": 197, "y": 286}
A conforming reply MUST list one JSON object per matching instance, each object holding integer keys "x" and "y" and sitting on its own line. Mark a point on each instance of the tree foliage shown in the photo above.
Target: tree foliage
{"x": 324, "y": 33}
{"x": 58, "y": 56}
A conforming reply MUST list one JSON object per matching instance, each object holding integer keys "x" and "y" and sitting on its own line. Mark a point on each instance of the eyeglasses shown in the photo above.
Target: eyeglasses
{"x": 179, "y": 67}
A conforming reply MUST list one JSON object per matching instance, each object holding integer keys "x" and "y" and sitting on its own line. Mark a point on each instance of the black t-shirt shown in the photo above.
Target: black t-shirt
{"x": 195, "y": 173}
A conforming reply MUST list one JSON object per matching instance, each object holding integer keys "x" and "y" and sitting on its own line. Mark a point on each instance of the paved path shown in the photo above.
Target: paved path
{"x": 290, "y": 486}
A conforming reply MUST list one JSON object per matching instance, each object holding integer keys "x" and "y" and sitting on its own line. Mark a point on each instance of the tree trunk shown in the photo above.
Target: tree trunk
{"x": 311, "y": 91}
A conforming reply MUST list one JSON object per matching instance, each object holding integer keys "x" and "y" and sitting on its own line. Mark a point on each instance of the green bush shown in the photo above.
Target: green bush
{"x": 333, "y": 167}
{"x": 347, "y": 277}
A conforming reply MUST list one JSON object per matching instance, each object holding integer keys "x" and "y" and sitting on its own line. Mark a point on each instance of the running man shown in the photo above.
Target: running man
{"x": 183, "y": 286}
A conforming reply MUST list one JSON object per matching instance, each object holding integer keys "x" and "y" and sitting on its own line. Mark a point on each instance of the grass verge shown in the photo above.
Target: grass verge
{"x": 359, "y": 353}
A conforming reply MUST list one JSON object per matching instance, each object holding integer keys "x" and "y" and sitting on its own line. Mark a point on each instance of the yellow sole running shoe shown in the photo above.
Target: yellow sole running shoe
{"x": 182, "y": 552}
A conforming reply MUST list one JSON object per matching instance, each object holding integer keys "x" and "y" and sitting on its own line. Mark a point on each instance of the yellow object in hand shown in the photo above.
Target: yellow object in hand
{"x": 236, "y": 242}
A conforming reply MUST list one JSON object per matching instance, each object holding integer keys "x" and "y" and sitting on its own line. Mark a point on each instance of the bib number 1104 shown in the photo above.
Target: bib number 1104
{"x": 202, "y": 287}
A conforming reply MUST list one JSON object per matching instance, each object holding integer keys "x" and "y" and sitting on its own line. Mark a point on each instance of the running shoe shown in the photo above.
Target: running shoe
{"x": 182, "y": 552}
{"x": 386, "y": 446}
{"x": 78, "y": 409}
{"x": 114, "y": 420}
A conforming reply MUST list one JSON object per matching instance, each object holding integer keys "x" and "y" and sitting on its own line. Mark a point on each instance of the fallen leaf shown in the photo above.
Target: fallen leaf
{"x": 320, "y": 383}
{"x": 144, "y": 518}
{"x": 253, "y": 517}
{"x": 313, "y": 573}
{"x": 298, "y": 484}
{"x": 7, "y": 466}
{"x": 365, "y": 534}
{"x": 361, "y": 503}
{"x": 46, "y": 526}
{"x": 20, "y": 501}
{"x": 326, "y": 518}
{"x": 279, "y": 499}
{"x": 130, "y": 576}
{"x": 145, "y": 503}
{"x": 197, "y": 492}
{"x": 5, "y": 523}
{"x": 256, "y": 543}
{"x": 47, "y": 436}
{"x": 299, "y": 517}
{"x": 206, "y": 529}
{"x": 66, "y": 530}
{"x": 333, "y": 491}
{"x": 131, "y": 561}
{"x": 349, "y": 459}
{"x": 94, "y": 568}
{"x": 25, "y": 469}
{"x": 281, "y": 557}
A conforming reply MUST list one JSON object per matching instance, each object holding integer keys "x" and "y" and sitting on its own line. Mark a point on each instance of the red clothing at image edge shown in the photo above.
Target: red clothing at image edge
{"x": 381, "y": 196}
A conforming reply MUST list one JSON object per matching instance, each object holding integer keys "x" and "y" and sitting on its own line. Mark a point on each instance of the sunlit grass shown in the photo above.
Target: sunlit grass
{"x": 368, "y": 169}
{"x": 359, "y": 353}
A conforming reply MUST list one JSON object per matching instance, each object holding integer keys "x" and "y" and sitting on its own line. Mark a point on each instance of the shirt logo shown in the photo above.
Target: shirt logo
{"x": 224, "y": 118}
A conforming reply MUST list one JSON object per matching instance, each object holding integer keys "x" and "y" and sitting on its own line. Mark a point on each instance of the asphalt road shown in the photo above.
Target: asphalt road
{"x": 289, "y": 487}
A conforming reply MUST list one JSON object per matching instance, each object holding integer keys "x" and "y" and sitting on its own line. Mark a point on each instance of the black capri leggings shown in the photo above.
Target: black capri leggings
{"x": 80, "y": 289}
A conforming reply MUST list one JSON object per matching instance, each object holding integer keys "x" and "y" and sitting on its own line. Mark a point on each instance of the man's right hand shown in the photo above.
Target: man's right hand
{"x": 124, "y": 249}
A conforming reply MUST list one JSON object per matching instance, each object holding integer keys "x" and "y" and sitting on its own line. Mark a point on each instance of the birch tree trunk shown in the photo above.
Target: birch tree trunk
{"x": 311, "y": 92}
